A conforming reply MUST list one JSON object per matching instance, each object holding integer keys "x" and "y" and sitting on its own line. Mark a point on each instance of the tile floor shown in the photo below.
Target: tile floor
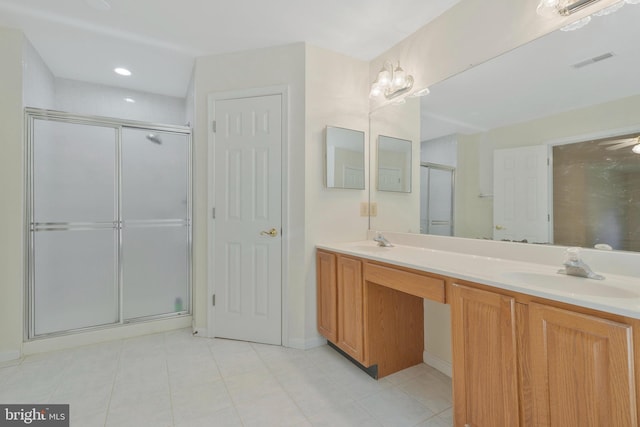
{"x": 174, "y": 379}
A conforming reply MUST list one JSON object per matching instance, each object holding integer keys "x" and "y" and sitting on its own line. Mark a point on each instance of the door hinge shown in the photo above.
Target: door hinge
{"x": 213, "y": 300}
{"x": 213, "y": 126}
{"x": 213, "y": 213}
{"x": 548, "y": 217}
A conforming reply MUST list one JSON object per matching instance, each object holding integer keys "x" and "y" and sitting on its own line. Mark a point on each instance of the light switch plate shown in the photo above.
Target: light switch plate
{"x": 364, "y": 209}
{"x": 373, "y": 209}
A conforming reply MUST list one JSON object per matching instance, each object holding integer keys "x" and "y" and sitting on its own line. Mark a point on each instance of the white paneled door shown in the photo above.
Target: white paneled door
{"x": 248, "y": 219}
{"x": 521, "y": 194}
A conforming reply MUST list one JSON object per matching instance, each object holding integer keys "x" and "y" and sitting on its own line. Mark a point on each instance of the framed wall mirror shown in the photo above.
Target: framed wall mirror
{"x": 559, "y": 91}
{"x": 344, "y": 158}
{"x": 394, "y": 164}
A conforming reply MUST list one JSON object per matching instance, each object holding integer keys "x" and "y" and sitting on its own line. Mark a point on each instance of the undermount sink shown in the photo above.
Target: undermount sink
{"x": 607, "y": 288}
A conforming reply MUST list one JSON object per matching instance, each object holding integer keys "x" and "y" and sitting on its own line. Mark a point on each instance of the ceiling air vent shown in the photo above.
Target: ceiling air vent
{"x": 593, "y": 60}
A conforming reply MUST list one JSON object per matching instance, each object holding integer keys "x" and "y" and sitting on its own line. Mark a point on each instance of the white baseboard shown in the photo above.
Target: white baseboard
{"x": 436, "y": 362}
{"x": 307, "y": 344}
{"x": 108, "y": 334}
{"x": 6, "y": 356}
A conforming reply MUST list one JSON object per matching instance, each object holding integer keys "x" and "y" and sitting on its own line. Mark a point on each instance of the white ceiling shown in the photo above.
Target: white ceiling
{"x": 158, "y": 40}
{"x": 538, "y": 79}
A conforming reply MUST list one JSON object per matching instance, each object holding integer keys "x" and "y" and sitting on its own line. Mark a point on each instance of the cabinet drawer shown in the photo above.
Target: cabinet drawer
{"x": 404, "y": 281}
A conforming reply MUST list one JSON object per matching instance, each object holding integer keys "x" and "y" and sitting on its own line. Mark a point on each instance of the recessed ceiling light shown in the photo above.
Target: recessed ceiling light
{"x": 102, "y": 5}
{"x": 122, "y": 71}
{"x": 130, "y": 100}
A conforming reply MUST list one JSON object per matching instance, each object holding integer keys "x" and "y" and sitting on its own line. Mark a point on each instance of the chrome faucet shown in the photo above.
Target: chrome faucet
{"x": 382, "y": 241}
{"x": 574, "y": 266}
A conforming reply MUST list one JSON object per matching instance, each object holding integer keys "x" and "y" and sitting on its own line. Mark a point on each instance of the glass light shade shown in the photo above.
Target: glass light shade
{"x": 611, "y": 9}
{"x": 636, "y": 149}
{"x": 577, "y": 24}
{"x": 384, "y": 78}
{"x": 376, "y": 91}
{"x": 548, "y": 8}
{"x": 399, "y": 77}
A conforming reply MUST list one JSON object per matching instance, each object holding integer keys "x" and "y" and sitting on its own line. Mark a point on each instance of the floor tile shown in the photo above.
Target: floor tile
{"x": 394, "y": 408}
{"x": 174, "y": 379}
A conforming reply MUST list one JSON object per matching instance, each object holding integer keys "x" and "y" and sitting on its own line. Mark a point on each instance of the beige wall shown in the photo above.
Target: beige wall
{"x": 337, "y": 91}
{"x": 11, "y": 191}
{"x": 397, "y": 211}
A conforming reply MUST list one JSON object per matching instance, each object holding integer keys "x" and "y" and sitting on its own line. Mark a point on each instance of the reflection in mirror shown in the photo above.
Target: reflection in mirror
{"x": 344, "y": 155}
{"x": 563, "y": 89}
{"x": 394, "y": 164}
{"x": 600, "y": 179}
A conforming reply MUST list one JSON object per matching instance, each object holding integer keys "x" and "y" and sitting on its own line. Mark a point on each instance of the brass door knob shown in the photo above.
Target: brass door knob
{"x": 271, "y": 233}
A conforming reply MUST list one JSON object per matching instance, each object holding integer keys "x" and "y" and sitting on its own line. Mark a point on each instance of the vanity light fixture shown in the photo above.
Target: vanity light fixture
{"x": 122, "y": 71}
{"x": 391, "y": 82}
{"x": 551, "y": 8}
{"x": 636, "y": 149}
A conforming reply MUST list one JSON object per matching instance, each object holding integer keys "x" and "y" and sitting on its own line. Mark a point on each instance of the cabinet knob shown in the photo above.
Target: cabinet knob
{"x": 498, "y": 227}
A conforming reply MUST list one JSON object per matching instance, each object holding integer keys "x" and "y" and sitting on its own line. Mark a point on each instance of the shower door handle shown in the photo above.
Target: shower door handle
{"x": 271, "y": 233}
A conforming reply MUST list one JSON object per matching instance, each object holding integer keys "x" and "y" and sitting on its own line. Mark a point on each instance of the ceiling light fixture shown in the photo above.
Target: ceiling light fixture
{"x": 122, "y": 71}
{"x": 636, "y": 149}
{"x": 391, "y": 82}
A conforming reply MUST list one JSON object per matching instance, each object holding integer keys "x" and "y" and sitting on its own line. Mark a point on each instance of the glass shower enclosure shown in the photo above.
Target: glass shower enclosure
{"x": 109, "y": 222}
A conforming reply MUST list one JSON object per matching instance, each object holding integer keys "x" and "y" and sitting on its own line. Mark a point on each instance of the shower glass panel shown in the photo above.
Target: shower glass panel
{"x": 74, "y": 172}
{"x": 155, "y": 176}
{"x": 75, "y": 280}
{"x": 73, "y": 226}
{"x": 155, "y": 270}
{"x": 109, "y": 222}
{"x": 155, "y": 212}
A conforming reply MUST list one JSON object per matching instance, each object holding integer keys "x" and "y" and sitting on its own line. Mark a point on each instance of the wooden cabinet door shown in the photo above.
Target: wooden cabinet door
{"x": 582, "y": 370}
{"x": 327, "y": 295}
{"x": 485, "y": 378}
{"x": 350, "y": 315}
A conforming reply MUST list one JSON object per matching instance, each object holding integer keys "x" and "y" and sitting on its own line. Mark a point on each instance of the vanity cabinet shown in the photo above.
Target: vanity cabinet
{"x": 518, "y": 362}
{"x": 484, "y": 348}
{"x": 340, "y": 302}
{"x": 373, "y": 312}
{"x": 327, "y": 295}
{"x": 350, "y": 315}
{"x": 582, "y": 369}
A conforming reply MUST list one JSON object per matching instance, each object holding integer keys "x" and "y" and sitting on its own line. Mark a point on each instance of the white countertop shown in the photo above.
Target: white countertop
{"x": 615, "y": 294}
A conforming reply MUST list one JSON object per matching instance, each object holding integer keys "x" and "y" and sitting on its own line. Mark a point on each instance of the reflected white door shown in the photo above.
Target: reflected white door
{"x": 521, "y": 194}
{"x": 247, "y": 232}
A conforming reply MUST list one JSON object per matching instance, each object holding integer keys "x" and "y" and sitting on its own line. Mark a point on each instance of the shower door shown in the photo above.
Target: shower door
{"x": 155, "y": 223}
{"x": 73, "y": 227}
{"x": 108, "y": 205}
{"x": 437, "y": 186}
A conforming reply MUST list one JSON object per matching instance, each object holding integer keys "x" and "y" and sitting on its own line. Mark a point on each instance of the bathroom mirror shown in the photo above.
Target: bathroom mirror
{"x": 394, "y": 164}
{"x": 564, "y": 88}
{"x": 344, "y": 158}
